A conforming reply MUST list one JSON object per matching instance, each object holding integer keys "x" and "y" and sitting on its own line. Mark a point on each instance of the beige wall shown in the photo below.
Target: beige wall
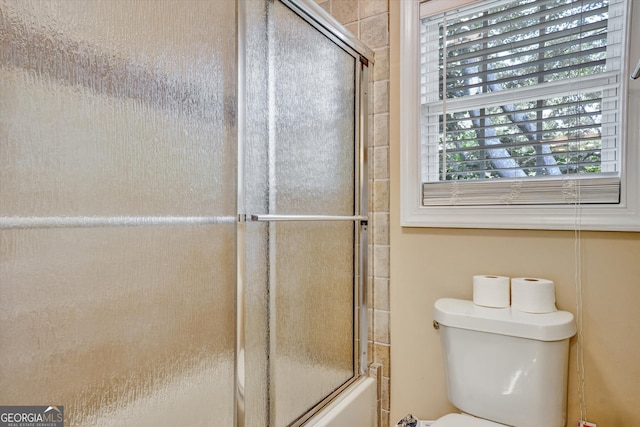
{"x": 427, "y": 264}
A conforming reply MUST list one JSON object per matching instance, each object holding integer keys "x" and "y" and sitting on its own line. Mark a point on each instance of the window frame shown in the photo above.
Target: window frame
{"x": 624, "y": 216}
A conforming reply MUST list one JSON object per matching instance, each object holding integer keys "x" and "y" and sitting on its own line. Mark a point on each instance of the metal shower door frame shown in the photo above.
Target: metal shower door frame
{"x": 334, "y": 31}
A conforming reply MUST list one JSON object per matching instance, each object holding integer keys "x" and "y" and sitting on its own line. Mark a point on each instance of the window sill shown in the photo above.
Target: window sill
{"x": 618, "y": 218}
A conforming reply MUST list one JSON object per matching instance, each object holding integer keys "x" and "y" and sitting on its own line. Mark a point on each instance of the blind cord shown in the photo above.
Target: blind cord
{"x": 582, "y": 400}
{"x": 579, "y": 305}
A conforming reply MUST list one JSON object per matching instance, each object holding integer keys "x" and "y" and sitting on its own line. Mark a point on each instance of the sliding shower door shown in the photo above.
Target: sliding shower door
{"x": 182, "y": 210}
{"x": 118, "y": 210}
{"x": 305, "y": 207}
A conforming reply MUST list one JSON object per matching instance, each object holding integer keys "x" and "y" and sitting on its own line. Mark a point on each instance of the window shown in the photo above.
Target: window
{"x": 514, "y": 115}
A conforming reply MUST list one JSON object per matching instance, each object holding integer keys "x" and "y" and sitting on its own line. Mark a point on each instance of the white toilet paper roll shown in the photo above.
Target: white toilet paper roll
{"x": 533, "y": 295}
{"x": 491, "y": 291}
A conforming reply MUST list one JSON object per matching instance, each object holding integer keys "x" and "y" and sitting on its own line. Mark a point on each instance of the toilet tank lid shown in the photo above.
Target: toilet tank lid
{"x": 463, "y": 314}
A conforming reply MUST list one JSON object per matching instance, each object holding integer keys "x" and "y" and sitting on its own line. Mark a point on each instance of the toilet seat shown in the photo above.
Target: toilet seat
{"x": 463, "y": 420}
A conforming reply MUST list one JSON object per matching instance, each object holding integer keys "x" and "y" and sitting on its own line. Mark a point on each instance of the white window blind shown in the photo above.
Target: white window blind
{"x": 520, "y": 103}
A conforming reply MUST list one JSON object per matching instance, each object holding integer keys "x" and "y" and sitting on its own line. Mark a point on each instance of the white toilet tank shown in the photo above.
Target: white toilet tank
{"x": 505, "y": 365}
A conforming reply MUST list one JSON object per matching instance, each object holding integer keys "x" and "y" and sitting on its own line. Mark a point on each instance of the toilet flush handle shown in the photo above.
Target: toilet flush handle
{"x": 436, "y": 325}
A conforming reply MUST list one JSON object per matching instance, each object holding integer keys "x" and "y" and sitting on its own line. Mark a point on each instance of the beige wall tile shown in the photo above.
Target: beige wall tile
{"x": 380, "y": 228}
{"x": 381, "y": 293}
{"x": 381, "y": 196}
{"x": 374, "y": 32}
{"x": 381, "y": 320}
{"x": 371, "y": 324}
{"x": 381, "y": 97}
{"x": 385, "y": 392}
{"x": 381, "y": 265}
{"x": 381, "y": 163}
{"x": 354, "y": 28}
{"x": 373, "y": 7}
{"x": 385, "y": 421}
{"x": 382, "y": 352}
{"x": 381, "y": 65}
{"x": 345, "y": 11}
{"x": 380, "y": 130}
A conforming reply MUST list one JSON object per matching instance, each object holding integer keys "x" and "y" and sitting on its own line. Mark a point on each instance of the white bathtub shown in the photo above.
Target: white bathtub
{"x": 355, "y": 407}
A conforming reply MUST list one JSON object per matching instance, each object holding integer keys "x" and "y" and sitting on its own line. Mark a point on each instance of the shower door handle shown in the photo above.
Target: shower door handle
{"x": 276, "y": 217}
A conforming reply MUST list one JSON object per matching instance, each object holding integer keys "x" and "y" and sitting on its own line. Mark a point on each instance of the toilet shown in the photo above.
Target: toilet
{"x": 503, "y": 367}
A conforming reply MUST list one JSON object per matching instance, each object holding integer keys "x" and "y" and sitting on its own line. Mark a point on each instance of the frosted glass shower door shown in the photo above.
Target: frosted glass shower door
{"x": 118, "y": 216}
{"x": 313, "y": 213}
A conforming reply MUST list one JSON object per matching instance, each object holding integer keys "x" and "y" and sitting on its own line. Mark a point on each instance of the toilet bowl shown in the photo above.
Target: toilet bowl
{"x": 463, "y": 420}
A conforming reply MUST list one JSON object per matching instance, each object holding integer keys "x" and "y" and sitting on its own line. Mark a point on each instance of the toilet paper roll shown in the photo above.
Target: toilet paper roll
{"x": 491, "y": 291}
{"x": 533, "y": 295}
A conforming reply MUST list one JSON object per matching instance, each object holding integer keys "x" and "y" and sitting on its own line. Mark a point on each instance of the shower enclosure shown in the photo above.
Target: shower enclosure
{"x": 183, "y": 210}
